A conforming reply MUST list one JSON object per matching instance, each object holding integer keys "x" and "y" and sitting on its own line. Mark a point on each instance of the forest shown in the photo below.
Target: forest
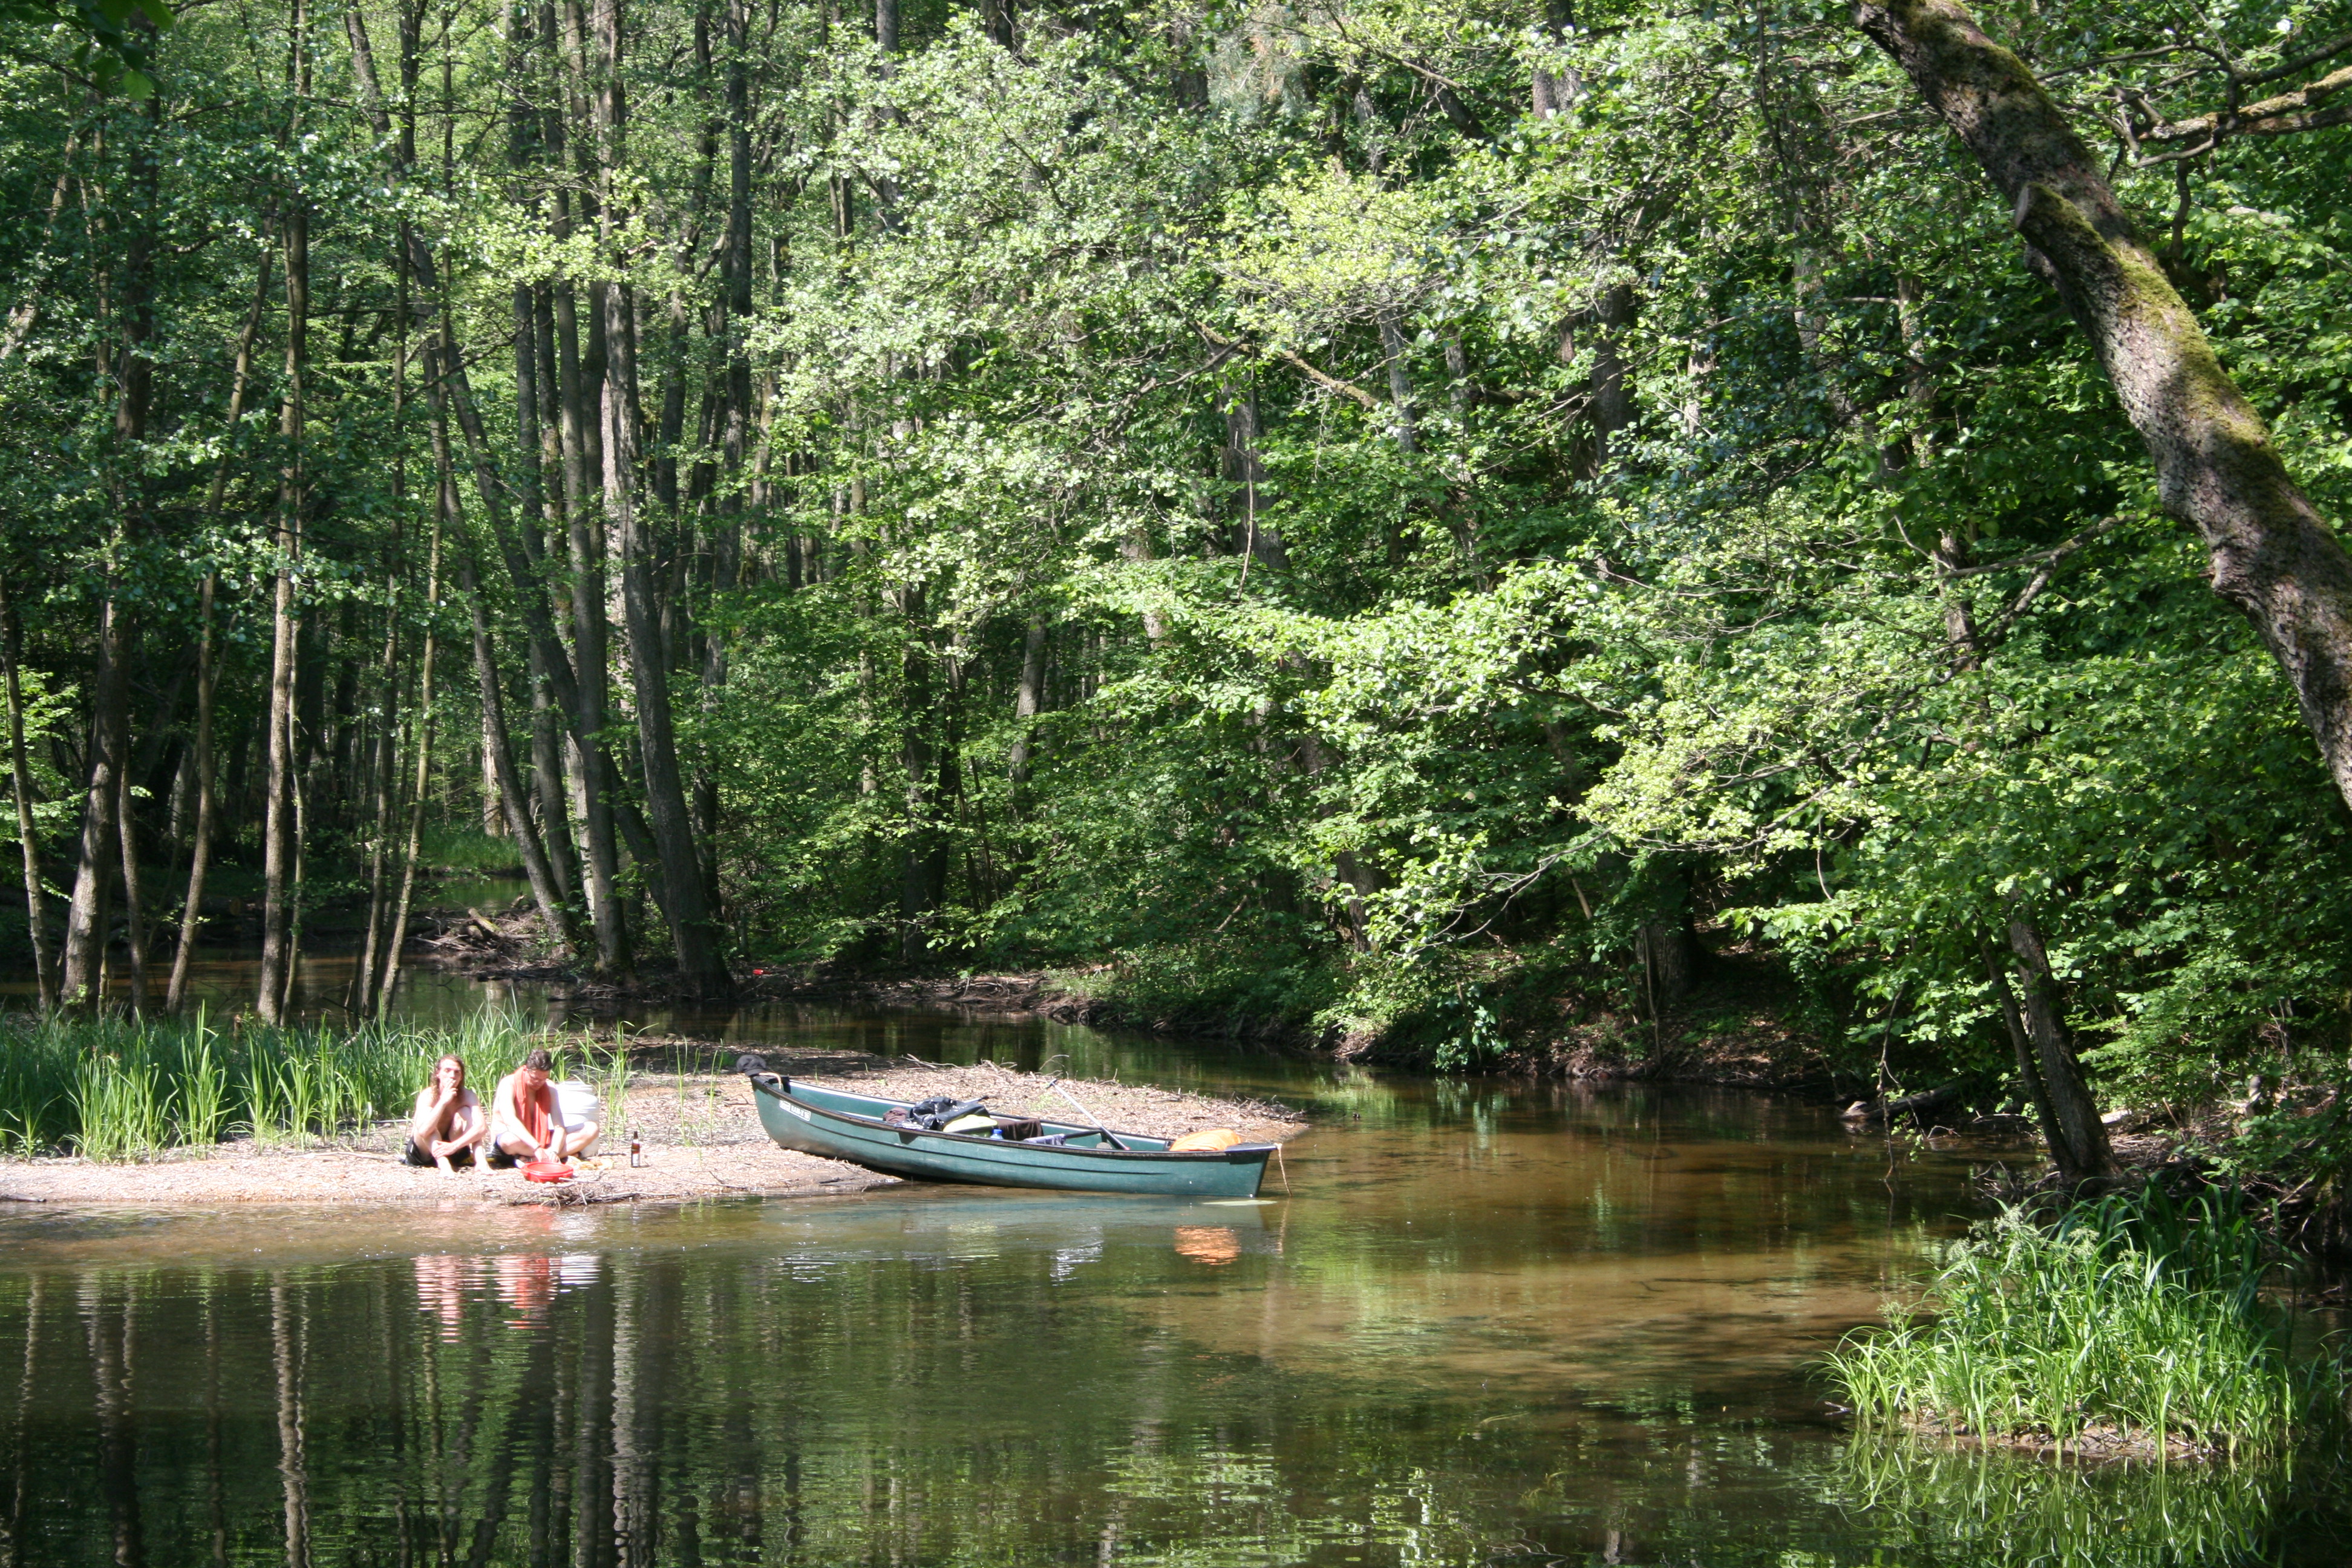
{"x": 1447, "y": 524}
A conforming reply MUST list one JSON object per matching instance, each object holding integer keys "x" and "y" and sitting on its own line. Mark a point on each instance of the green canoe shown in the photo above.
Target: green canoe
{"x": 850, "y": 1127}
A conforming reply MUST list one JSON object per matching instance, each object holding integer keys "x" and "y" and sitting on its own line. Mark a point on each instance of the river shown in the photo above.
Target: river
{"x": 1486, "y": 1322}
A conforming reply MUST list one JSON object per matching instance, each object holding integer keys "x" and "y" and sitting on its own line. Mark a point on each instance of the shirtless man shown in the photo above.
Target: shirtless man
{"x": 527, "y": 1123}
{"x": 447, "y": 1124}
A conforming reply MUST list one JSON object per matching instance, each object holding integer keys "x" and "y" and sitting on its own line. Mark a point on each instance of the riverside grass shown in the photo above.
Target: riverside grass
{"x": 2131, "y": 1324}
{"x": 114, "y": 1087}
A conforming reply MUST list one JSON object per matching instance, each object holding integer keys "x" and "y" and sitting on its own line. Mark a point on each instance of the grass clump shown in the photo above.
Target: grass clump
{"x": 118, "y": 1088}
{"x": 2131, "y": 1324}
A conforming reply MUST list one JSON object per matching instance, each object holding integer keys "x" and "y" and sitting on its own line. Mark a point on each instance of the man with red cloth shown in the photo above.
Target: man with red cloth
{"x": 527, "y": 1118}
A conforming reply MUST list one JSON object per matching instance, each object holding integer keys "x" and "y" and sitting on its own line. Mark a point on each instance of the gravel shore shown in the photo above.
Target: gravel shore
{"x": 699, "y": 1131}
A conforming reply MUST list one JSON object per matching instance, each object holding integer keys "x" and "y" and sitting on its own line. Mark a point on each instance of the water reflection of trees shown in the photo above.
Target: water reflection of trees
{"x": 930, "y": 1406}
{"x": 1967, "y": 1507}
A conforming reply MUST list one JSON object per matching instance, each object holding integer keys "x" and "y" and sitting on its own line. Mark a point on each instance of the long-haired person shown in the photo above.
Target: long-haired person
{"x": 447, "y": 1124}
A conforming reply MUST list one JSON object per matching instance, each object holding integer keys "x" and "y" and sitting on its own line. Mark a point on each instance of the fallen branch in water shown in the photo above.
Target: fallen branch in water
{"x": 1886, "y": 1112}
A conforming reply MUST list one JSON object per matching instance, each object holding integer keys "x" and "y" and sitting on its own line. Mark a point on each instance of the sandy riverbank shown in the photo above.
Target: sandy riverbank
{"x": 701, "y": 1134}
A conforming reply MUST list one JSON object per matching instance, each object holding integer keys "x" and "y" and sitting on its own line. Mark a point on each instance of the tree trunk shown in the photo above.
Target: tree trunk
{"x": 278, "y": 830}
{"x": 382, "y": 786}
{"x": 582, "y": 697}
{"x": 504, "y": 780}
{"x": 2029, "y": 1072}
{"x": 1393, "y": 351}
{"x": 2076, "y": 1138}
{"x": 547, "y": 781}
{"x": 1552, "y": 92}
{"x": 109, "y": 751}
{"x": 2272, "y": 553}
{"x": 693, "y": 937}
{"x": 443, "y": 508}
{"x": 494, "y": 812}
{"x": 1254, "y": 537}
{"x": 277, "y": 812}
{"x": 134, "y": 924}
{"x": 409, "y": 315}
{"x": 208, "y": 657}
{"x": 726, "y": 542}
{"x": 590, "y": 654}
{"x": 918, "y": 890}
{"x": 45, "y": 969}
{"x": 1026, "y": 699}
{"x": 93, "y": 870}
{"x": 531, "y": 356}
{"x": 602, "y": 807}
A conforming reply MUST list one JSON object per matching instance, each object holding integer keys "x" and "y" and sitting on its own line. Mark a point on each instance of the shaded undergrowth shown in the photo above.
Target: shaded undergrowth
{"x": 2133, "y": 1324}
{"x": 116, "y": 1087}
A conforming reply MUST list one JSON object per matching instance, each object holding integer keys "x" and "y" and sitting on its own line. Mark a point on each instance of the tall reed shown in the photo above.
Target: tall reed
{"x": 203, "y": 1092}
{"x": 2135, "y": 1323}
{"x": 113, "y": 1087}
{"x": 123, "y": 1107}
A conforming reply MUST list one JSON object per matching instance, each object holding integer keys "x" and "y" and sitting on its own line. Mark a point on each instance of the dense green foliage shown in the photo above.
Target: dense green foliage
{"x": 1400, "y": 518}
{"x": 2132, "y": 1323}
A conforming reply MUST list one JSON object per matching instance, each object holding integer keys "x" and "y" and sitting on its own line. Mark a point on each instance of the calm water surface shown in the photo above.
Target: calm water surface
{"x": 1487, "y": 1324}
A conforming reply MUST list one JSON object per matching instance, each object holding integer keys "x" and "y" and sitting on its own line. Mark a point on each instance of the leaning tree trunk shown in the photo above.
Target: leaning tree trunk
{"x": 2046, "y": 1059}
{"x": 2085, "y": 1153}
{"x": 505, "y": 780}
{"x": 2272, "y": 555}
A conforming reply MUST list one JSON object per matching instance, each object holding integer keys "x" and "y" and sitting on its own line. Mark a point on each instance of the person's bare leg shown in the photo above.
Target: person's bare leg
{"x": 469, "y": 1139}
{"x": 578, "y": 1138}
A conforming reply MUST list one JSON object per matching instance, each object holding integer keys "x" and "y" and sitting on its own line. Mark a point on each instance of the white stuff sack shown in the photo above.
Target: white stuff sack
{"x": 576, "y": 1105}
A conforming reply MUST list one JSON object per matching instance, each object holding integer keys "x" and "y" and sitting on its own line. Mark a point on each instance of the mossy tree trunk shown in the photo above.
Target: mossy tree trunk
{"x": 2272, "y": 554}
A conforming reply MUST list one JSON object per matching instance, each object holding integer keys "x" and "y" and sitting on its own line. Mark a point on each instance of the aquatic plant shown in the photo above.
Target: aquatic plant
{"x": 113, "y": 1087}
{"x": 2134, "y": 1323}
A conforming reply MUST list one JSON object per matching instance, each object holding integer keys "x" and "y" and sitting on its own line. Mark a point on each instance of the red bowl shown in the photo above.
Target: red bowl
{"x": 547, "y": 1170}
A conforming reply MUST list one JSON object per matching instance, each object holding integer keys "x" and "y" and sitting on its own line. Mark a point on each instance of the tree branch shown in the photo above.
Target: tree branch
{"x": 1323, "y": 379}
{"x": 2289, "y": 112}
